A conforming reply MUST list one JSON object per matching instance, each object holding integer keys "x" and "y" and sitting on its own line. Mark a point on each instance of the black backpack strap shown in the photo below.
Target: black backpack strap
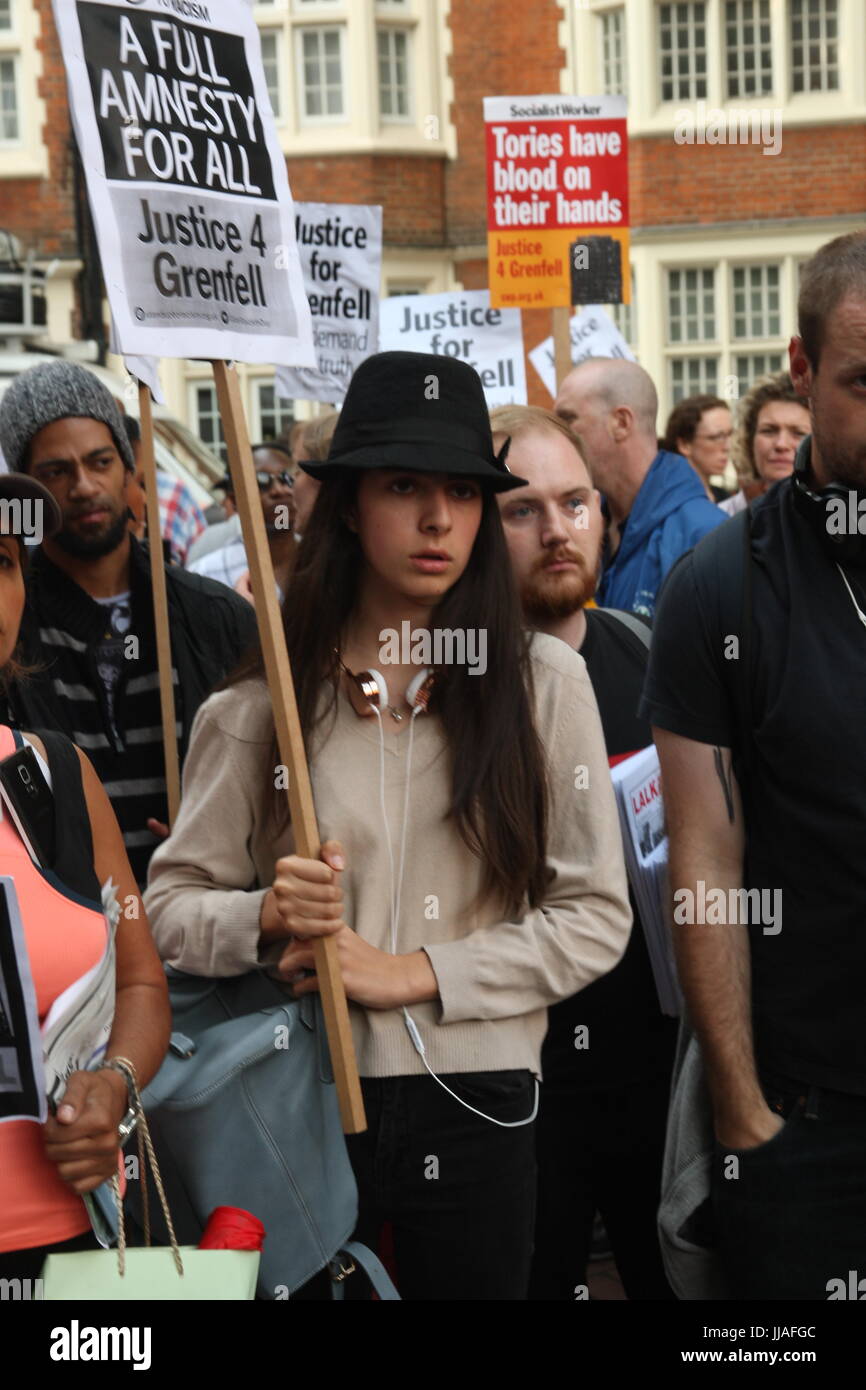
{"x": 73, "y": 860}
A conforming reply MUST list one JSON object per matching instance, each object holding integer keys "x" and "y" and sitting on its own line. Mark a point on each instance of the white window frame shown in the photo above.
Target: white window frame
{"x": 686, "y": 342}
{"x": 724, "y": 251}
{"x": 706, "y": 384}
{"x": 607, "y": 63}
{"x": 395, "y": 288}
{"x": 737, "y": 51}
{"x": 727, "y": 352}
{"x": 304, "y": 118}
{"x": 694, "y": 77}
{"x": 362, "y": 125}
{"x": 26, "y": 154}
{"x": 276, "y": 33}
{"x": 807, "y": 43}
{"x": 12, "y": 142}
{"x": 390, "y": 118}
{"x": 651, "y": 114}
{"x": 10, "y": 52}
{"x": 217, "y": 446}
{"x": 765, "y": 290}
{"x": 705, "y": 351}
{"x": 257, "y": 385}
{"x": 746, "y": 381}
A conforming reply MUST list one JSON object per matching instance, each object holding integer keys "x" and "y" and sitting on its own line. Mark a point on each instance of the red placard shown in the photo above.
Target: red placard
{"x": 557, "y": 200}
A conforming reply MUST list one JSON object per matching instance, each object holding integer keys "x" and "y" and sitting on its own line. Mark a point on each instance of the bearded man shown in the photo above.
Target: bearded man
{"x": 608, "y": 1054}
{"x": 88, "y": 633}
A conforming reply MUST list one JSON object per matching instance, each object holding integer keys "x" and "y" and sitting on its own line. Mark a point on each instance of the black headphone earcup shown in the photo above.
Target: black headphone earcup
{"x": 828, "y": 512}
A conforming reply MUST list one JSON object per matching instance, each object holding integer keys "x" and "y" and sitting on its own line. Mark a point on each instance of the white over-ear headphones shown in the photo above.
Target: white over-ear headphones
{"x": 368, "y": 691}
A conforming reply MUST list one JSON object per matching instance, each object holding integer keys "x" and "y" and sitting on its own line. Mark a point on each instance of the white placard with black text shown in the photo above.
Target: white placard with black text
{"x": 340, "y": 246}
{"x": 593, "y": 334}
{"x": 461, "y": 325}
{"x": 186, "y": 179}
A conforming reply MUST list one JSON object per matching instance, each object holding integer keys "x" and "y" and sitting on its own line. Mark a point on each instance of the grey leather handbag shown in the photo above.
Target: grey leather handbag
{"x": 244, "y": 1113}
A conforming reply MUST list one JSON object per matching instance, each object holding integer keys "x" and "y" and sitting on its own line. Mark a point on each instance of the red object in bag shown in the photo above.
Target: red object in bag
{"x": 232, "y": 1228}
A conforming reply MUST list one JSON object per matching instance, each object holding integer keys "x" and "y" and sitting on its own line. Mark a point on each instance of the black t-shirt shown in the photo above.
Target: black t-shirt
{"x": 804, "y": 781}
{"x": 628, "y": 1037}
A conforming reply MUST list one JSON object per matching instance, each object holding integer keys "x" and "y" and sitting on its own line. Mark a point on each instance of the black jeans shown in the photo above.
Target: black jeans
{"x": 27, "y": 1264}
{"x": 600, "y": 1151}
{"x": 458, "y": 1191}
{"x": 790, "y": 1214}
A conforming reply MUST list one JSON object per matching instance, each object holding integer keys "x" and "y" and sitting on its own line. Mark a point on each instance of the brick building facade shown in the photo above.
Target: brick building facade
{"x": 381, "y": 101}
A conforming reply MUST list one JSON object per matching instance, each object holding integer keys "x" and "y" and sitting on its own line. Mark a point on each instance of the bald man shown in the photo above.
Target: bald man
{"x": 655, "y": 504}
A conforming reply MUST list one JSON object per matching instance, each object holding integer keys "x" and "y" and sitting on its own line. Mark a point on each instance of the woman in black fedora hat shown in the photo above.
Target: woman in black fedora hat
{"x": 471, "y": 871}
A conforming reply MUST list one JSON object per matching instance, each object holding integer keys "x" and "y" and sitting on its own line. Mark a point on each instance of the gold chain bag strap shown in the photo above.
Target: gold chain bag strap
{"x": 127, "y": 1071}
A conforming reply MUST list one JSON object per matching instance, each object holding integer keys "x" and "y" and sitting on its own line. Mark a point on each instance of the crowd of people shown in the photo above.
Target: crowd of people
{"x": 472, "y": 869}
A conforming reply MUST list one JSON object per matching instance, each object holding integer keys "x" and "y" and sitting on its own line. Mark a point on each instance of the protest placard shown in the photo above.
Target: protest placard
{"x": 593, "y": 333}
{"x": 22, "y": 1076}
{"x": 340, "y": 247}
{"x": 557, "y": 200}
{"x": 461, "y": 325}
{"x": 195, "y": 224}
{"x": 186, "y": 179}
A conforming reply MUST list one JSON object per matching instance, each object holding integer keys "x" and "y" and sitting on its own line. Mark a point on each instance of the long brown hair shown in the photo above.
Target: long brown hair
{"x": 498, "y": 784}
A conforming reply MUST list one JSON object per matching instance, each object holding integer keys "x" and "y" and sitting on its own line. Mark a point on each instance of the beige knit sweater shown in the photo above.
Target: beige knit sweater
{"x": 495, "y": 977}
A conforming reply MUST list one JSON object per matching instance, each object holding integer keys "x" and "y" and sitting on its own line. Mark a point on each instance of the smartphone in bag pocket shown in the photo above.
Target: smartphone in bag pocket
{"x": 29, "y": 801}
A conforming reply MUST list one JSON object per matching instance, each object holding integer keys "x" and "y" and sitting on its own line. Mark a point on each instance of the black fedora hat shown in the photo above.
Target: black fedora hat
{"x": 420, "y": 412}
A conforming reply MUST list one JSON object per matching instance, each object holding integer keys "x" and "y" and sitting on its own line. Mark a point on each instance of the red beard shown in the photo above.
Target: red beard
{"x": 558, "y": 595}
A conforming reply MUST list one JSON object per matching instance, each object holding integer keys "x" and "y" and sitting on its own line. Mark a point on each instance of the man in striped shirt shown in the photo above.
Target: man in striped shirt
{"x": 88, "y": 627}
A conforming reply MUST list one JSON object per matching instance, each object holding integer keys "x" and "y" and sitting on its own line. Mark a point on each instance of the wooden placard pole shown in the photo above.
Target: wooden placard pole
{"x": 160, "y": 606}
{"x": 288, "y": 729}
{"x": 561, "y": 343}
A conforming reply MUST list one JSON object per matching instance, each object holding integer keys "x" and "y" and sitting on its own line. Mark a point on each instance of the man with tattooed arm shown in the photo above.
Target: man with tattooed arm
{"x": 774, "y": 800}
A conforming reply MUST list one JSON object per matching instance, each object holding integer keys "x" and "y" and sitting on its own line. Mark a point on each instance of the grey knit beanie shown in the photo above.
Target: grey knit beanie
{"x": 54, "y": 391}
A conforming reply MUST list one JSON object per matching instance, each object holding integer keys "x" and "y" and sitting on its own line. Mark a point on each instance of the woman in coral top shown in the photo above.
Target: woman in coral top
{"x": 45, "y": 1169}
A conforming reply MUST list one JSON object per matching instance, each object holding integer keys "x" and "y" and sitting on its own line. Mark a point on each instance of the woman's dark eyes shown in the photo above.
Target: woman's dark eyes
{"x": 462, "y": 491}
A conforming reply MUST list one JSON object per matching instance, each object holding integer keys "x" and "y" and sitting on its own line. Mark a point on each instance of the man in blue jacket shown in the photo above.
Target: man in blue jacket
{"x": 656, "y": 506}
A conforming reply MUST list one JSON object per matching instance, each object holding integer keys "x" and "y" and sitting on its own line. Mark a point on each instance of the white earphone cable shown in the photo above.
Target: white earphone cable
{"x": 396, "y": 896}
{"x": 399, "y": 895}
{"x": 384, "y": 810}
{"x": 859, "y": 611}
